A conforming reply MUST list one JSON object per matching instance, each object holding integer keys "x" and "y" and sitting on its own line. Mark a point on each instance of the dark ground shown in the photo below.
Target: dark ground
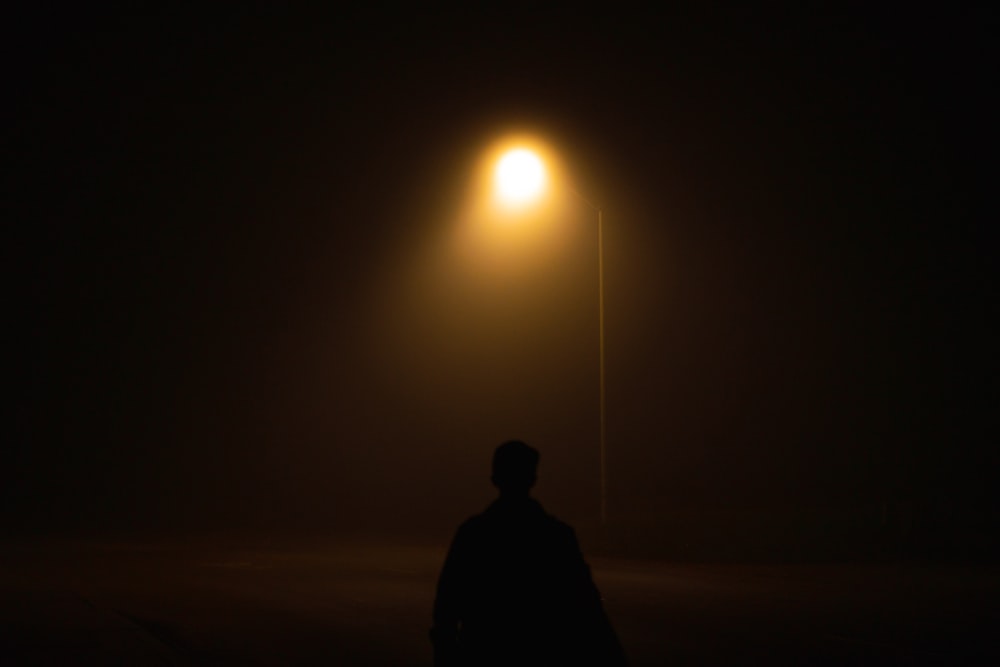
{"x": 88, "y": 602}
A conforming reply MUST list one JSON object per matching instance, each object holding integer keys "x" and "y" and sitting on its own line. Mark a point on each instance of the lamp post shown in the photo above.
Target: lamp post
{"x": 600, "y": 338}
{"x": 600, "y": 316}
{"x": 520, "y": 178}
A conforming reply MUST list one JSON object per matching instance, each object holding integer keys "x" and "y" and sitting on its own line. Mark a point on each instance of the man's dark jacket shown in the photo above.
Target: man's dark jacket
{"x": 515, "y": 590}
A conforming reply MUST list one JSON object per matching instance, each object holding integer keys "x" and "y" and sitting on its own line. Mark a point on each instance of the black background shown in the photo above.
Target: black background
{"x": 227, "y": 312}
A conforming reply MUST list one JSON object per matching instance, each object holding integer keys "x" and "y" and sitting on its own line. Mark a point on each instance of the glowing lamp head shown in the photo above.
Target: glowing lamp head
{"x": 520, "y": 176}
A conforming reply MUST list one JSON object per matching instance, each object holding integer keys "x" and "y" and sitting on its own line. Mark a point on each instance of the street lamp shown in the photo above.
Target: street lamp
{"x": 520, "y": 178}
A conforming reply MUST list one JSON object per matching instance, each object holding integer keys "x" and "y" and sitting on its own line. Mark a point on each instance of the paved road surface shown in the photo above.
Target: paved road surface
{"x": 155, "y": 604}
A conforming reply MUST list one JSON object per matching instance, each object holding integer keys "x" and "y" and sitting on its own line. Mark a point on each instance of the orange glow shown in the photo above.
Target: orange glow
{"x": 515, "y": 208}
{"x": 520, "y": 176}
{"x": 516, "y": 176}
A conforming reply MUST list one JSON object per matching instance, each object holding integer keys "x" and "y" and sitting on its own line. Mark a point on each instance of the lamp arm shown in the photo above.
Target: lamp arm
{"x": 586, "y": 201}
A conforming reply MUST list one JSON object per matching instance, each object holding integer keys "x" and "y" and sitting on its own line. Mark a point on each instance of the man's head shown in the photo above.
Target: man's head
{"x": 515, "y": 466}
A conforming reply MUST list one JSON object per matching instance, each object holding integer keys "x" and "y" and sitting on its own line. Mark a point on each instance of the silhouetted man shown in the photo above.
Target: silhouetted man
{"x": 515, "y": 589}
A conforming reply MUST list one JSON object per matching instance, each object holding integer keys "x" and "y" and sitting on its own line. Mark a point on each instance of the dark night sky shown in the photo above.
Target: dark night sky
{"x": 230, "y": 302}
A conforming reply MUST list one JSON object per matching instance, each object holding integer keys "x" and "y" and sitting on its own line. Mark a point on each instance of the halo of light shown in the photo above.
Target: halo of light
{"x": 520, "y": 176}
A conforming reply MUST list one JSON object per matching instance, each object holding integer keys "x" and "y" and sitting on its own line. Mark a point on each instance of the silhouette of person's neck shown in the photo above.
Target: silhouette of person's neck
{"x": 515, "y": 495}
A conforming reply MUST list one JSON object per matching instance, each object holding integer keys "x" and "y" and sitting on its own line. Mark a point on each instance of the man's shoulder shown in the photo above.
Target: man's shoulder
{"x": 556, "y": 525}
{"x": 471, "y": 524}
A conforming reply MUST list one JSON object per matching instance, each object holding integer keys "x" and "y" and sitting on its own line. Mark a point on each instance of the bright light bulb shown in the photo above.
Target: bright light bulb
{"x": 520, "y": 176}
